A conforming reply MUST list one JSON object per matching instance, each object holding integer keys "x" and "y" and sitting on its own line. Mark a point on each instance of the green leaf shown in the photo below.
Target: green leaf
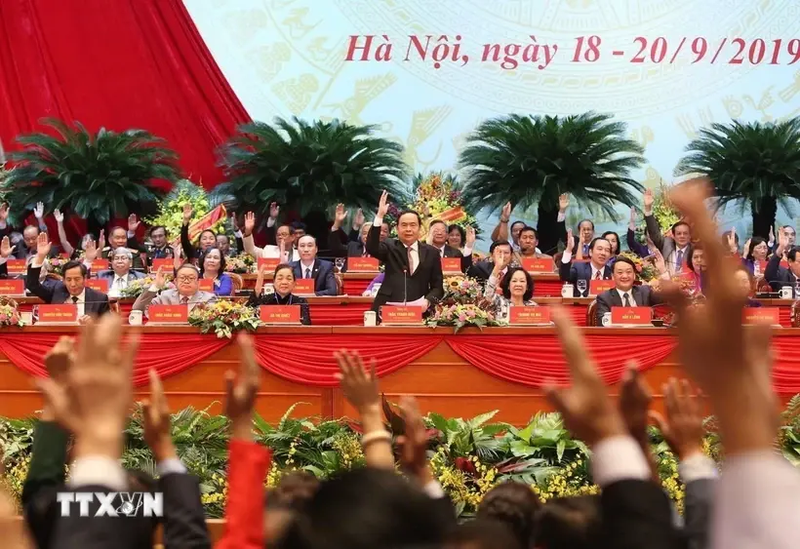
{"x": 560, "y": 449}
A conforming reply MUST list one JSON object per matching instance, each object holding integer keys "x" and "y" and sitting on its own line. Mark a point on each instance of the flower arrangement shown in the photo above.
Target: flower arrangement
{"x": 240, "y": 264}
{"x": 461, "y": 305}
{"x": 170, "y": 209}
{"x": 224, "y": 317}
{"x": 55, "y": 265}
{"x": 570, "y": 480}
{"x": 436, "y": 196}
{"x": 645, "y": 270}
{"x": 466, "y": 480}
{"x": 136, "y": 287}
{"x": 9, "y": 316}
{"x": 460, "y": 289}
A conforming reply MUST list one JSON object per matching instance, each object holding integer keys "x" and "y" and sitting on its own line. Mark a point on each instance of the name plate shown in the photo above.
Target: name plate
{"x": 761, "y": 315}
{"x": 363, "y": 264}
{"x": 98, "y": 284}
{"x": 16, "y": 266}
{"x": 597, "y": 287}
{"x": 528, "y": 315}
{"x": 631, "y": 315}
{"x": 268, "y": 263}
{"x": 62, "y": 313}
{"x": 15, "y": 287}
{"x": 392, "y": 314}
{"x": 451, "y": 265}
{"x": 100, "y": 265}
{"x": 280, "y": 314}
{"x": 538, "y": 265}
{"x": 166, "y": 263}
{"x": 206, "y": 285}
{"x": 304, "y": 286}
{"x": 168, "y": 314}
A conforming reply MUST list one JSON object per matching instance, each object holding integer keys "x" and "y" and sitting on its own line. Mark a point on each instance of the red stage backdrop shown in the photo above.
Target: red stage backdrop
{"x": 119, "y": 64}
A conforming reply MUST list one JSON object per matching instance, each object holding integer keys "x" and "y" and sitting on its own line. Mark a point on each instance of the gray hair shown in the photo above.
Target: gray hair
{"x": 122, "y": 251}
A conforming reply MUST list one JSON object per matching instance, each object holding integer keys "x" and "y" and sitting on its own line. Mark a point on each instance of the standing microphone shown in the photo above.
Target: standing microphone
{"x": 405, "y": 286}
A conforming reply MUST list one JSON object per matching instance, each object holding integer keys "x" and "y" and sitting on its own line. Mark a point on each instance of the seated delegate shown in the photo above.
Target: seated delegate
{"x": 283, "y": 282}
{"x": 213, "y": 267}
{"x": 625, "y": 293}
{"x": 186, "y": 292}
{"x": 516, "y": 290}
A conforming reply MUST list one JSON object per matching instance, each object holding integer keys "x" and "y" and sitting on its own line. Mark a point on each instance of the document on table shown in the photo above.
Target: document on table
{"x": 416, "y": 303}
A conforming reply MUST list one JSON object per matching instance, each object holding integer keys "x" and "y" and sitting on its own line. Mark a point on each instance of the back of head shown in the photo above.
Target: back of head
{"x": 294, "y": 491}
{"x": 514, "y": 505}
{"x": 484, "y": 534}
{"x": 569, "y": 523}
{"x": 366, "y": 509}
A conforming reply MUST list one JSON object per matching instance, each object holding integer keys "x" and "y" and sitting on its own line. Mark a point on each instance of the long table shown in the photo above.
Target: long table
{"x": 455, "y": 375}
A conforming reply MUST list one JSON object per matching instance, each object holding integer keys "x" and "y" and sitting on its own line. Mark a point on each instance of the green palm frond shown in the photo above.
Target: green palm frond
{"x": 748, "y": 162}
{"x": 96, "y": 176}
{"x": 531, "y": 160}
{"x": 308, "y": 166}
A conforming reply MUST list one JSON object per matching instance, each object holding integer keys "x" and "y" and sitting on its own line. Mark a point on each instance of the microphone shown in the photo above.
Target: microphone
{"x": 405, "y": 286}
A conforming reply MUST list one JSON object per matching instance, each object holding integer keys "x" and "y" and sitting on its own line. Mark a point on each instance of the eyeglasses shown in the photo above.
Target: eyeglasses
{"x": 188, "y": 278}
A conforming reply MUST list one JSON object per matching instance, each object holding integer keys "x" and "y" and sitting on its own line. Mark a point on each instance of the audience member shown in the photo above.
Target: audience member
{"x": 456, "y": 236}
{"x": 437, "y": 237}
{"x": 625, "y": 293}
{"x": 207, "y": 239}
{"x": 516, "y": 290}
{"x": 500, "y": 252}
{"x": 213, "y": 267}
{"x": 310, "y": 266}
{"x": 572, "y": 523}
{"x": 595, "y": 269}
{"x": 778, "y": 276}
{"x": 613, "y": 239}
{"x": 283, "y": 283}
{"x": 747, "y": 283}
{"x": 677, "y": 248}
{"x": 514, "y": 505}
{"x": 697, "y": 267}
{"x": 283, "y": 250}
{"x": 187, "y": 290}
{"x": 528, "y": 242}
{"x": 120, "y": 275}
{"x": 341, "y": 246}
{"x": 756, "y": 250}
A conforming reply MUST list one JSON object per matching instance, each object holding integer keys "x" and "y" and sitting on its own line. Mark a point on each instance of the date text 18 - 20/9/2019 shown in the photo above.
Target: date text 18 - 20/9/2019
{"x": 444, "y": 49}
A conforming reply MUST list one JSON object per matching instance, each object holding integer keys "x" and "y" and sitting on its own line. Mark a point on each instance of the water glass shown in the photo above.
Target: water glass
{"x": 582, "y": 286}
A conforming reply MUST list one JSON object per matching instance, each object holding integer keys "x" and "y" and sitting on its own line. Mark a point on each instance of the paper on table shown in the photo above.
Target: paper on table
{"x": 416, "y": 303}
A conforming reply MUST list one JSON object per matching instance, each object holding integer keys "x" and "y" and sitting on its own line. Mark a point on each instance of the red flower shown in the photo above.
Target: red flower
{"x": 464, "y": 464}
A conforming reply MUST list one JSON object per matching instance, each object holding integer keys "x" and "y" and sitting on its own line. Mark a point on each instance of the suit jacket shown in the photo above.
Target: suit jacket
{"x": 697, "y": 512}
{"x": 643, "y": 295}
{"x": 321, "y": 272}
{"x": 637, "y": 514}
{"x": 169, "y": 297}
{"x": 481, "y": 270}
{"x": 55, "y": 292}
{"x": 572, "y": 272}
{"x": 667, "y": 244}
{"x": 110, "y": 275}
{"x": 398, "y": 283}
{"x": 340, "y": 246}
{"x": 778, "y": 276}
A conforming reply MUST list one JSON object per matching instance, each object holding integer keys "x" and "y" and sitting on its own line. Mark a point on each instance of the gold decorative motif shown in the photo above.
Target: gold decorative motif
{"x": 788, "y": 93}
{"x": 733, "y": 106}
{"x": 244, "y": 25}
{"x": 296, "y": 93}
{"x": 763, "y": 104}
{"x": 269, "y": 60}
{"x": 424, "y": 123}
{"x": 297, "y": 27}
{"x": 643, "y": 135}
{"x": 366, "y": 89}
{"x": 687, "y": 124}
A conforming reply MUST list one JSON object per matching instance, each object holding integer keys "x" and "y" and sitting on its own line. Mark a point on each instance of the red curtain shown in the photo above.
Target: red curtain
{"x": 167, "y": 354}
{"x": 532, "y": 360}
{"x": 118, "y": 64}
{"x": 309, "y": 359}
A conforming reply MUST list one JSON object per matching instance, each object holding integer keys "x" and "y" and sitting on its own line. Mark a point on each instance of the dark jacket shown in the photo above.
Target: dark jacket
{"x": 574, "y": 271}
{"x": 275, "y": 299}
{"x": 321, "y": 272}
{"x": 643, "y": 295}
{"x": 55, "y": 292}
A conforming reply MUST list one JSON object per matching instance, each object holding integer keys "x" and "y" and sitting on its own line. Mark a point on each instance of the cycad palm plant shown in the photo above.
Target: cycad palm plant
{"x": 531, "y": 160}
{"x": 308, "y": 167}
{"x": 751, "y": 164}
{"x": 95, "y": 176}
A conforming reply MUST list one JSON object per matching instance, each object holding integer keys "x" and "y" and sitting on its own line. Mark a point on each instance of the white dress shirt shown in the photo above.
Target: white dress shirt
{"x": 672, "y": 268}
{"x": 622, "y": 295}
{"x": 618, "y": 458}
{"x": 306, "y": 267}
{"x": 414, "y": 257}
{"x": 117, "y": 285}
{"x": 80, "y": 303}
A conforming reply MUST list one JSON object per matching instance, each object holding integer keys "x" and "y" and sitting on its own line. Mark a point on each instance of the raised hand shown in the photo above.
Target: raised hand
{"x": 470, "y": 237}
{"x": 570, "y": 243}
{"x": 177, "y": 250}
{"x": 359, "y": 384}
{"x": 95, "y": 402}
{"x": 3, "y": 212}
{"x": 38, "y": 211}
{"x": 649, "y": 199}
{"x": 101, "y": 240}
{"x": 90, "y": 250}
{"x": 505, "y": 213}
{"x": 59, "y": 217}
{"x": 634, "y": 400}
{"x": 683, "y": 425}
{"x": 585, "y": 406}
{"x": 6, "y": 249}
{"x": 563, "y": 203}
{"x": 133, "y": 223}
{"x": 249, "y": 223}
{"x": 383, "y": 204}
{"x": 43, "y": 246}
{"x": 659, "y": 262}
{"x": 746, "y": 248}
{"x": 732, "y": 246}
{"x": 783, "y": 243}
{"x": 359, "y": 219}
{"x": 58, "y": 361}
{"x": 157, "y": 421}
{"x": 274, "y": 210}
{"x": 340, "y": 215}
{"x": 414, "y": 443}
{"x": 187, "y": 213}
{"x": 241, "y": 390}
{"x": 771, "y": 234}
{"x": 161, "y": 279}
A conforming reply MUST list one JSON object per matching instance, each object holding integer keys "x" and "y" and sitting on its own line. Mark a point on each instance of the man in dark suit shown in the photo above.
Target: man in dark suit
{"x": 339, "y": 245}
{"x": 413, "y": 272}
{"x": 438, "y": 239}
{"x": 676, "y": 249}
{"x": 501, "y": 253}
{"x": 72, "y": 290}
{"x": 120, "y": 275}
{"x": 624, "y": 293}
{"x": 310, "y": 266}
{"x": 779, "y": 276}
{"x": 595, "y": 269}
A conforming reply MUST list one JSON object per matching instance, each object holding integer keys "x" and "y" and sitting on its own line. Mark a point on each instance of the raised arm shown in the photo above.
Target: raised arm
{"x": 62, "y": 233}
{"x": 375, "y": 247}
{"x": 652, "y": 225}
{"x": 32, "y": 282}
{"x": 500, "y": 232}
{"x": 186, "y": 243}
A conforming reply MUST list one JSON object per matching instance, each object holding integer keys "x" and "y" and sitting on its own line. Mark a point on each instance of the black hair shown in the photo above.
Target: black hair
{"x": 573, "y": 522}
{"x": 204, "y": 231}
{"x": 682, "y": 222}
{"x": 505, "y": 285}
{"x": 282, "y": 266}
{"x": 515, "y": 505}
{"x": 222, "y": 263}
{"x": 527, "y": 228}
{"x": 511, "y": 228}
{"x": 791, "y": 255}
{"x": 689, "y": 261}
{"x": 623, "y": 259}
{"x": 619, "y": 242}
{"x": 582, "y": 221}
{"x": 404, "y": 212}
{"x": 483, "y": 533}
{"x": 594, "y": 241}
{"x": 497, "y": 243}
{"x": 460, "y": 229}
{"x": 755, "y": 241}
{"x": 187, "y": 266}
{"x": 298, "y": 226}
{"x": 73, "y": 264}
{"x": 155, "y": 228}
